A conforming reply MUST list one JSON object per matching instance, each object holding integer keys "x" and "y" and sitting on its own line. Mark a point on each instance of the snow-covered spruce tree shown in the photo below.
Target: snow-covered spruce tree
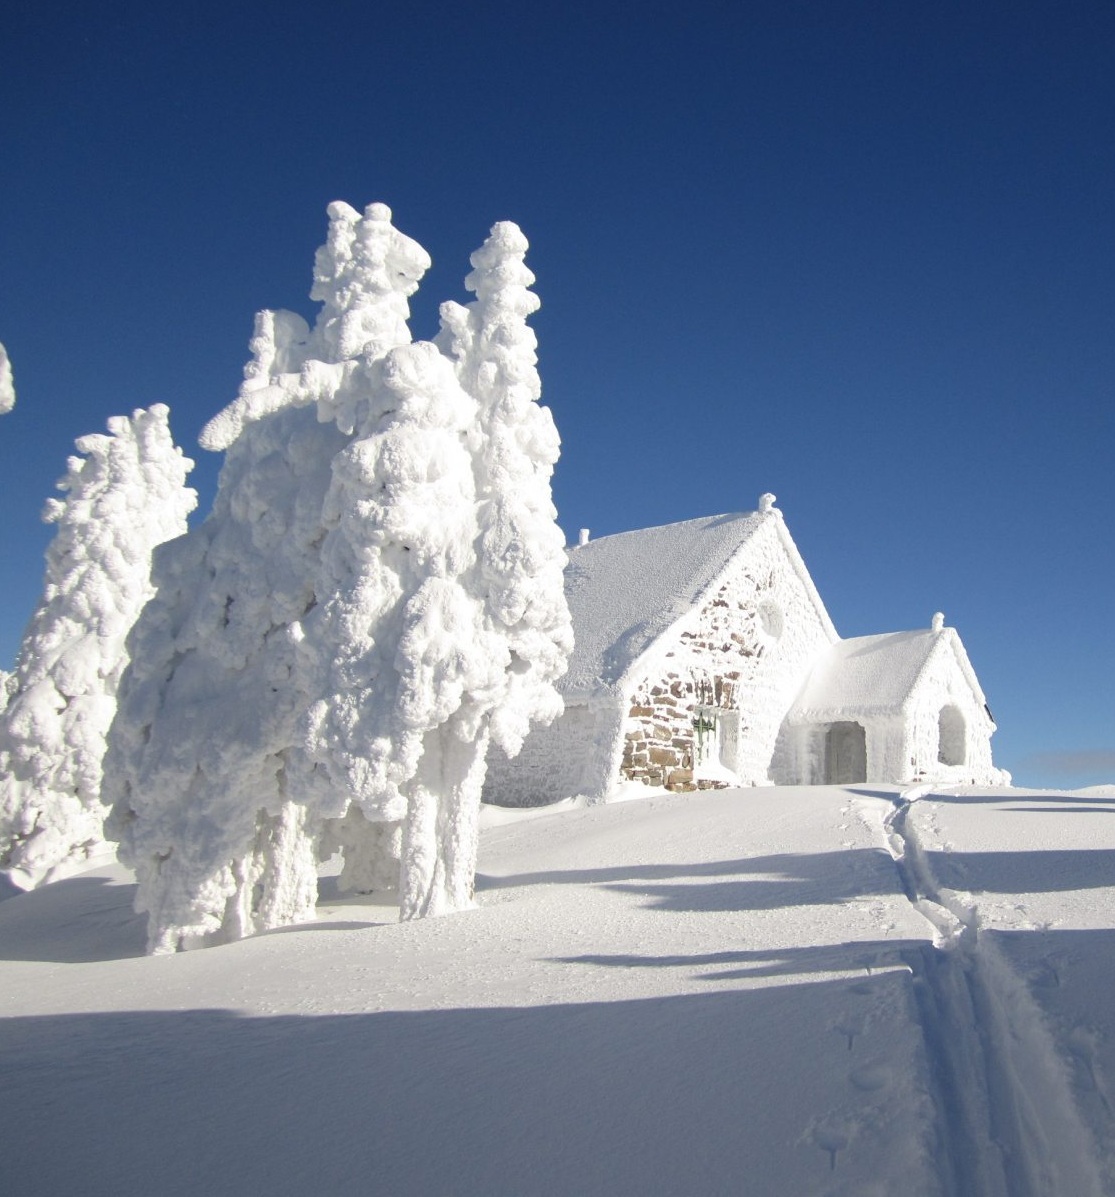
{"x": 124, "y": 497}
{"x": 522, "y": 554}
{"x": 446, "y": 621}
{"x": 7, "y": 384}
{"x": 376, "y": 562}
{"x": 516, "y": 578}
{"x": 406, "y": 668}
{"x": 209, "y": 808}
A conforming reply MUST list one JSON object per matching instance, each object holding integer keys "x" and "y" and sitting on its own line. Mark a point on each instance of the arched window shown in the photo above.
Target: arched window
{"x": 952, "y": 738}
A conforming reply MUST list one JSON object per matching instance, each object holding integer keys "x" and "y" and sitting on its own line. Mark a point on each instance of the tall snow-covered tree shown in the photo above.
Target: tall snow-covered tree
{"x": 376, "y": 593}
{"x": 208, "y": 808}
{"x": 521, "y": 553}
{"x": 518, "y": 617}
{"x": 447, "y": 623}
{"x": 124, "y": 496}
{"x": 7, "y": 384}
{"x": 402, "y": 656}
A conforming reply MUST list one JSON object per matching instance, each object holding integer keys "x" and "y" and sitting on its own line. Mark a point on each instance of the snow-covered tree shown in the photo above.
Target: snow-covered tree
{"x": 522, "y": 555}
{"x": 124, "y": 496}
{"x": 376, "y": 593}
{"x": 208, "y": 809}
{"x": 406, "y": 666}
{"x": 7, "y": 384}
{"x": 447, "y": 623}
{"x": 518, "y": 609}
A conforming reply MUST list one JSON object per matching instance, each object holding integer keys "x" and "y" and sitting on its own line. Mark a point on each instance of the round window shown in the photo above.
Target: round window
{"x": 770, "y": 620}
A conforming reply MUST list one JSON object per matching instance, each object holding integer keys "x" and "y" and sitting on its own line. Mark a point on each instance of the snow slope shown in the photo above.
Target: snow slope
{"x": 783, "y": 991}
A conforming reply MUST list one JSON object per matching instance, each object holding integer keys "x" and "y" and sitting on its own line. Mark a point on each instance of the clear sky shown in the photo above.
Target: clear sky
{"x": 858, "y": 254}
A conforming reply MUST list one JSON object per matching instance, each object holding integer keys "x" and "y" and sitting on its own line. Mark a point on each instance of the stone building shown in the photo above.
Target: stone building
{"x": 704, "y": 657}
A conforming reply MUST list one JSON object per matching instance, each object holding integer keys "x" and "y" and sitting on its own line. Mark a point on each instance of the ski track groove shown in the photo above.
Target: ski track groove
{"x": 1008, "y": 1124}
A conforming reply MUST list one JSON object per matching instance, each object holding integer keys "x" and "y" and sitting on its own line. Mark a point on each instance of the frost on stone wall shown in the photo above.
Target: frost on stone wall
{"x": 125, "y": 495}
{"x": 325, "y": 654}
{"x": 7, "y": 384}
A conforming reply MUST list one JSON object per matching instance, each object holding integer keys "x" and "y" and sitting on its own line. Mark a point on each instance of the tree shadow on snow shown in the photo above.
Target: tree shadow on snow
{"x": 662, "y": 1095}
{"x": 1053, "y": 870}
{"x": 867, "y": 957}
{"x": 1061, "y": 810}
{"x": 74, "y": 921}
{"x": 1001, "y": 797}
{"x": 751, "y": 883}
{"x": 81, "y": 920}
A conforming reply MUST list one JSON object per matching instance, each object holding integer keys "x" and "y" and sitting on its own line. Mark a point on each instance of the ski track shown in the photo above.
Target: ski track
{"x": 1008, "y": 1123}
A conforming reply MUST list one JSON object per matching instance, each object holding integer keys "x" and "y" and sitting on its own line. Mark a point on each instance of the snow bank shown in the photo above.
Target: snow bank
{"x": 124, "y": 496}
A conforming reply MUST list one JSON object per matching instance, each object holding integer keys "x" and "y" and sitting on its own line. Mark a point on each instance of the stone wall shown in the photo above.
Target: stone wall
{"x": 660, "y": 742}
{"x": 738, "y": 661}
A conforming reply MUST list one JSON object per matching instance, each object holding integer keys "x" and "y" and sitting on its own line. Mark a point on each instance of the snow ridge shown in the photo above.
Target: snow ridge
{"x": 1009, "y": 1123}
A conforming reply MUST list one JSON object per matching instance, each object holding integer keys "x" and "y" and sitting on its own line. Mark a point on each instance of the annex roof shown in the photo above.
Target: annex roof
{"x": 874, "y": 675}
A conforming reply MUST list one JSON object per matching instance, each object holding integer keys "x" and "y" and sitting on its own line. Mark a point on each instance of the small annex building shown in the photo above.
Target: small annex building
{"x": 704, "y": 657}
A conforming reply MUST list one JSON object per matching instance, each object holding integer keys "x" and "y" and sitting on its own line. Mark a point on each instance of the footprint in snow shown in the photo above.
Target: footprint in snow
{"x": 851, "y": 1025}
{"x": 870, "y": 1078}
{"x": 832, "y": 1135}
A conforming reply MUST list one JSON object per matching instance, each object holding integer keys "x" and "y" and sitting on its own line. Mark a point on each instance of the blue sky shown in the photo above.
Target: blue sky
{"x": 858, "y": 254}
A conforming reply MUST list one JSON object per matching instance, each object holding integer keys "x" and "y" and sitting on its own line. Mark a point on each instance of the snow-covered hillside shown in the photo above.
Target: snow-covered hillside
{"x": 783, "y": 991}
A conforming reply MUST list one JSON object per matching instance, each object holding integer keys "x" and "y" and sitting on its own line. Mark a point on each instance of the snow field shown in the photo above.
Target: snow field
{"x": 726, "y": 992}
{"x": 659, "y": 996}
{"x": 1033, "y": 876}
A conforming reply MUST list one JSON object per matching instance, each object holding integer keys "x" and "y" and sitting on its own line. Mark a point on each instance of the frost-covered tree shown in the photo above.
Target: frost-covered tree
{"x": 376, "y": 593}
{"x": 207, "y": 806}
{"x": 447, "y": 625}
{"x": 521, "y": 554}
{"x": 406, "y": 666}
{"x": 124, "y": 496}
{"x": 519, "y": 612}
{"x": 7, "y": 384}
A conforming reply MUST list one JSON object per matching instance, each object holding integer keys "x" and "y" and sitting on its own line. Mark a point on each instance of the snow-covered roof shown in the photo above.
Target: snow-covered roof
{"x": 874, "y": 675}
{"x": 626, "y": 590}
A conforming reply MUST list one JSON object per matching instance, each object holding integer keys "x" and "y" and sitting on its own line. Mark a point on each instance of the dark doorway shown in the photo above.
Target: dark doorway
{"x": 845, "y": 754}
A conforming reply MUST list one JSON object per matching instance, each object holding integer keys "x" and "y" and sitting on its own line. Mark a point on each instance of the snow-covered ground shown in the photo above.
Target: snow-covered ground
{"x": 783, "y": 991}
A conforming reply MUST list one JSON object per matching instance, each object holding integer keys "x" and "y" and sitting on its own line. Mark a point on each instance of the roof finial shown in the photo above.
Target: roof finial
{"x": 938, "y": 621}
{"x": 766, "y": 503}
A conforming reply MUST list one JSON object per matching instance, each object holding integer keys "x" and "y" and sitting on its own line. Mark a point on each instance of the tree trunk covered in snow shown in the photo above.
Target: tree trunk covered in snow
{"x": 442, "y": 831}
